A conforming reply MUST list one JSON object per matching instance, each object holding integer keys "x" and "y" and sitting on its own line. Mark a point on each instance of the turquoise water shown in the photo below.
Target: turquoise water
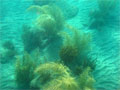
{"x": 95, "y": 17}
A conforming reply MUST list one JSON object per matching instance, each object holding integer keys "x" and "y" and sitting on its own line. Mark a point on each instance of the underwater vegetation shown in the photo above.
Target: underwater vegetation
{"x": 101, "y": 17}
{"x": 50, "y": 75}
{"x": 8, "y": 51}
{"x": 74, "y": 69}
{"x": 57, "y": 18}
{"x": 24, "y": 71}
{"x": 68, "y": 53}
{"x": 68, "y": 10}
{"x": 75, "y": 49}
{"x": 85, "y": 80}
{"x": 32, "y": 39}
{"x": 72, "y": 65}
{"x": 47, "y": 72}
{"x": 55, "y": 76}
{"x": 64, "y": 83}
{"x": 45, "y": 28}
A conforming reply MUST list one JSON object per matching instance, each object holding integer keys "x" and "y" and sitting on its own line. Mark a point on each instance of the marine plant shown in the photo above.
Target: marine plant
{"x": 46, "y": 27}
{"x": 86, "y": 80}
{"x": 79, "y": 39}
{"x": 32, "y": 38}
{"x": 68, "y": 9}
{"x": 64, "y": 83}
{"x": 48, "y": 24}
{"x": 51, "y": 23}
{"x": 89, "y": 63}
{"x": 24, "y": 71}
{"x": 75, "y": 49}
{"x": 68, "y": 54}
{"x": 55, "y": 76}
{"x": 48, "y": 72}
{"x": 51, "y": 11}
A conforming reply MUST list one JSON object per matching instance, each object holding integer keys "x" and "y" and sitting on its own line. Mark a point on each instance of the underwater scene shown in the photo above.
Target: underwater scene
{"x": 59, "y": 44}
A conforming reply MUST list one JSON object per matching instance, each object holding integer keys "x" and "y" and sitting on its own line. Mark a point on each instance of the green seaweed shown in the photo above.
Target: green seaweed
{"x": 54, "y": 76}
{"x": 48, "y": 72}
{"x": 75, "y": 49}
{"x": 74, "y": 73}
{"x": 85, "y": 80}
{"x": 32, "y": 38}
{"x": 51, "y": 11}
{"x": 78, "y": 39}
{"x": 68, "y": 54}
{"x": 24, "y": 71}
{"x": 46, "y": 27}
{"x": 64, "y": 83}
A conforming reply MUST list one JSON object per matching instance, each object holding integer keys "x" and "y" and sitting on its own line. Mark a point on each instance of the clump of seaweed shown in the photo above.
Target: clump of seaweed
{"x": 79, "y": 39}
{"x": 55, "y": 76}
{"x": 24, "y": 71}
{"x": 50, "y": 11}
{"x": 48, "y": 72}
{"x": 68, "y": 53}
{"x": 32, "y": 38}
{"x": 75, "y": 49}
{"x": 50, "y": 75}
{"x": 64, "y": 83}
{"x": 68, "y": 9}
{"x": 85, "y": 64}
{"x": 85, "y": 80}
{"x": 46, "y": 27}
